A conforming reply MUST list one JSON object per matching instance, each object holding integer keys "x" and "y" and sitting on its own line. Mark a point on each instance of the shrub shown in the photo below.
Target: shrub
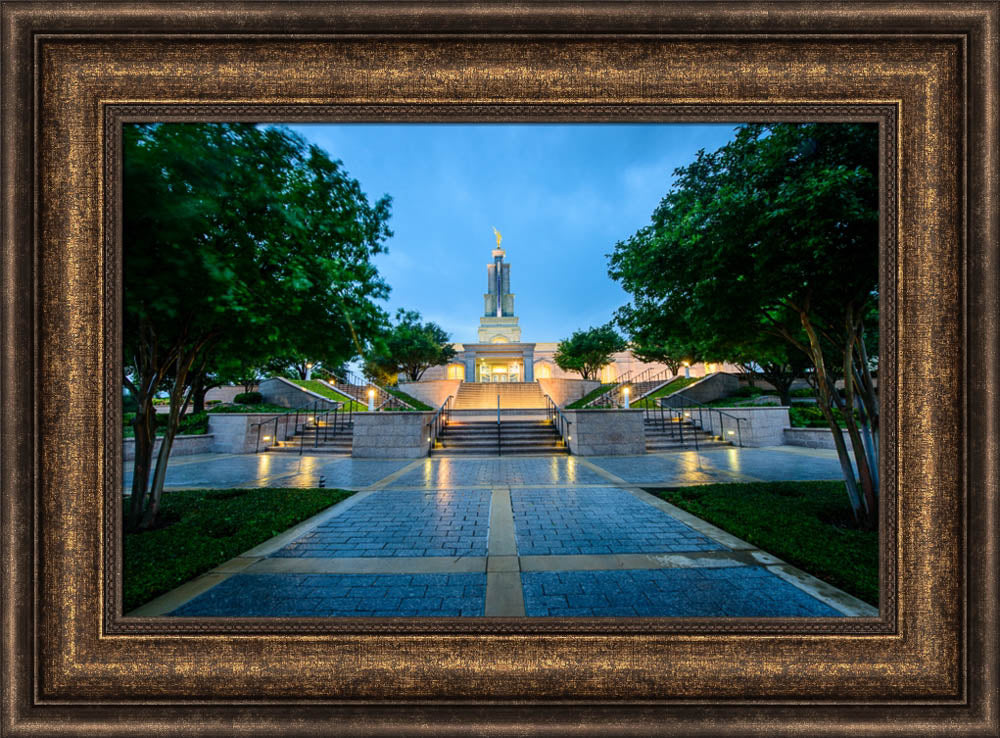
{"x": 249, "y": 398}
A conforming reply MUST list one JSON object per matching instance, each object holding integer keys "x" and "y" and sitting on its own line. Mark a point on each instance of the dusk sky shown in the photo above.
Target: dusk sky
{"x": 561, "y": 195}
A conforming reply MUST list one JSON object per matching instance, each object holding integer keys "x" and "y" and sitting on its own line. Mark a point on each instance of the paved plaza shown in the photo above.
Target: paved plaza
{"x": 558, "y": 536}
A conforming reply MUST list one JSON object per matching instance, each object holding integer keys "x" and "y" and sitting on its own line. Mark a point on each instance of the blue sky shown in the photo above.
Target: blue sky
{"x": 562, "y": 195}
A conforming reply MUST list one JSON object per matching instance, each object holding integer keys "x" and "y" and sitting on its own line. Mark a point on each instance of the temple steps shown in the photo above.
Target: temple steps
{"x": 318, "y": 440}
{"x": 513, "y": 396}
{"x": 679, "y": 436}
{"x": 516, "y": 437}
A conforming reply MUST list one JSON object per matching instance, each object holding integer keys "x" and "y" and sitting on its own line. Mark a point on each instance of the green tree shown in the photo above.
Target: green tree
{"x": 239, "y": 241}
{"x": 777, "y": 232}
{"x": 409, "y": 347}
{"x": 588, "y": 351}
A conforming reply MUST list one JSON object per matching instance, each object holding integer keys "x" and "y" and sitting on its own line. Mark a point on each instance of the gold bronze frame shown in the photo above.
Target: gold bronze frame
{"x": 74, "y": 73}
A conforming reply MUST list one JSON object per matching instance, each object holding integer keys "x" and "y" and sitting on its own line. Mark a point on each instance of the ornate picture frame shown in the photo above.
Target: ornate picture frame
{"x": 73, "y": 74}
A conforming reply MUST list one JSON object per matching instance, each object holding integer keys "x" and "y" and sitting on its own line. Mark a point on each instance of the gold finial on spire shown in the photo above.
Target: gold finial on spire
{"x": 499, "y": 237}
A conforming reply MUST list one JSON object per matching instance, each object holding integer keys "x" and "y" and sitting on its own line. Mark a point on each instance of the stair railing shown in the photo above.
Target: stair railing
{"x": 438, "y": 422}
{"x": 556, "y": 416}
{"x": 498, "y": 425}
{"x": 613, "y": 397}
{"x": 357, "y": 388}
{"x": 685, "y": 405}
{"x": 660, "y": 377}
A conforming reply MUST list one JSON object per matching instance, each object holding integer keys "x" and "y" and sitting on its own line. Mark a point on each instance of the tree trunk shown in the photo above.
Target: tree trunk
{"x": 145, "y": 440}
{"x": 862, "y": 513}
{"x": 180, "y": 395}
{"x": 198, "y": 391}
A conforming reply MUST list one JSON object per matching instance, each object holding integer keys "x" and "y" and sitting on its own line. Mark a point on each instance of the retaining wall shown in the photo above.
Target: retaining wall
{"x": 236, "y": 433}
{"x": 183, "y": 446}
{"x": 565, "y": 391}
{"x": 433, "y": 391}
{"x": 760, "y": 426}
{"x": 283, "y": 393}
{"x": 606, "y": 432}
{"x": 813, "y": 437}
{"x": 713, "y": 387}
{"x": 391, "y": 435}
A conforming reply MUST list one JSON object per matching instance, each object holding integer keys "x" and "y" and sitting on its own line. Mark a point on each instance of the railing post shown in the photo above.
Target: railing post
{"x": 499, "y": 452}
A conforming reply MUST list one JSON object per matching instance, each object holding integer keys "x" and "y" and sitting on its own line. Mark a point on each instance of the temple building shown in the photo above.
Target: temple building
{"x": 499, "y": 354}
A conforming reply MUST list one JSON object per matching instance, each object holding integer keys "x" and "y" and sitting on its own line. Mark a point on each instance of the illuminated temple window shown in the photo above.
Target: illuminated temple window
{"x": 500, "y": 339}
{"x": 456, "y": 371}
{"x": 608, "y": 374}
{"x": 543, "y": 371}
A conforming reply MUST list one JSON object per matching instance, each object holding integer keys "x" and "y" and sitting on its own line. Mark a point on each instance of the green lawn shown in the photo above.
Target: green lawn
{"x": 810, "y": 416}
{"x": 314, "y": 385}
{"x": 589, "y": 397}
{"x": 413, "y": 401}
{"x": 673, "y": 386}
{"x": 200, "y": 529}
{"x": 808, "y": 524}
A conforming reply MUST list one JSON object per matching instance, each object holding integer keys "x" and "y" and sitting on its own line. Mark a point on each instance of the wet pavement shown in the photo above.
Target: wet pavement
{"x": 517, "y": 536}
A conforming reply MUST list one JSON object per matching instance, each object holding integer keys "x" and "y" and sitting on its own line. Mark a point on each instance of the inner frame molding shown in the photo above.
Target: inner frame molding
{"x": 74, "y": 83}
{"x": 116, "y": 115}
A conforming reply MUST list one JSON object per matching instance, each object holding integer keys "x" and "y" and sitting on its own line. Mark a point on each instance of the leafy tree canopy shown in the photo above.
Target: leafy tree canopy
{"x": 589, "y": 350}
{"x": 409, "y": 347}
{"x": 240, "y": 243}
{"x": 775, "y": 233}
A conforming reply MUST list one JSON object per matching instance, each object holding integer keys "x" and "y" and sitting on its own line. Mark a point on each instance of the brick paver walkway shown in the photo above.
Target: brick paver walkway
{"x": 529, "y": 536}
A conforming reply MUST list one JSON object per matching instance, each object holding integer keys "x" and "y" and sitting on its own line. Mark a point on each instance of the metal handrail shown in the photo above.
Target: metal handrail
{"x": 383, "y": 398}
{"x": 702, "y": 408}
{"x": 555, "y": 413}
{"x": 438, "y": 421}
{"x": 498, "y": 426}
{"x": 662, "y": 377}
{"x": 611, "y": 398}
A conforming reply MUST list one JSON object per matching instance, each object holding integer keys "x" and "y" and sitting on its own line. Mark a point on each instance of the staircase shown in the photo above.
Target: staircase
{"x": 678, "y": 435}
{"x": 513, "y": 396}
{"x": 641, "y": 389}
{"x": 517, "y": 437}
{"x": 318, "y": 438}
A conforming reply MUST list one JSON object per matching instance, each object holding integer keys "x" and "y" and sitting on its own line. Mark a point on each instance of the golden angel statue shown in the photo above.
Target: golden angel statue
{"x": 499, "y": 237}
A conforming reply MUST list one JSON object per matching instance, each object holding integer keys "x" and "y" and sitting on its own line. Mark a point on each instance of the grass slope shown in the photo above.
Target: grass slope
{"x": 314, "y": 385}
{"x": 413, "y": 401}
{"x": 201, "y": 529}
{"x": 589, "y": 397}
{"x": 674, "y": 385}
{"x": 808, "y": 524}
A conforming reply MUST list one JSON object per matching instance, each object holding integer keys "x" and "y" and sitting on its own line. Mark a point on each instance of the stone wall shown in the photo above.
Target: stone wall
{"x": 236, "y": 433}
{"x": 564, "y": 391}
{"x": 602, "y": 432}
{"x": 759, "y": 426}
{"x": 713, "y": 387}
{"x": 279, "y": 391}
{"x": 391, "y": 435}
{"x": 813, "y": 437}
{"x": 223, "y": 394}
{"x": 183, "y": 446}
{"x": 433, "y": 392}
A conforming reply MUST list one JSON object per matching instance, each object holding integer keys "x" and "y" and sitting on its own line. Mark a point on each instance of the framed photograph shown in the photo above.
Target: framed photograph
{"x": 734, "y": 473}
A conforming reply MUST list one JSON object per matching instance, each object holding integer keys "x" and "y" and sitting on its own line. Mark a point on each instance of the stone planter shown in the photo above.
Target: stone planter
{"x": 391, "y": 435}
{"x": 606, "y": 432}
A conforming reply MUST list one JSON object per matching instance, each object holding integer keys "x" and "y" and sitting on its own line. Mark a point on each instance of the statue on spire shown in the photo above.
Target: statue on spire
{"x": 499, "y": 237}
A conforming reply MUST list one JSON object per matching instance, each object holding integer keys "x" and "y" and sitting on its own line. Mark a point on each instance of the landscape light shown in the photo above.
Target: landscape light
{"x": 267, "y": 438}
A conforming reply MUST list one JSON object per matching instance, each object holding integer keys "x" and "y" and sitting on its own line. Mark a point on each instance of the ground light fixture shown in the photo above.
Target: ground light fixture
{"x": 371, "y": 400}
{"x": 625, "y": 395}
